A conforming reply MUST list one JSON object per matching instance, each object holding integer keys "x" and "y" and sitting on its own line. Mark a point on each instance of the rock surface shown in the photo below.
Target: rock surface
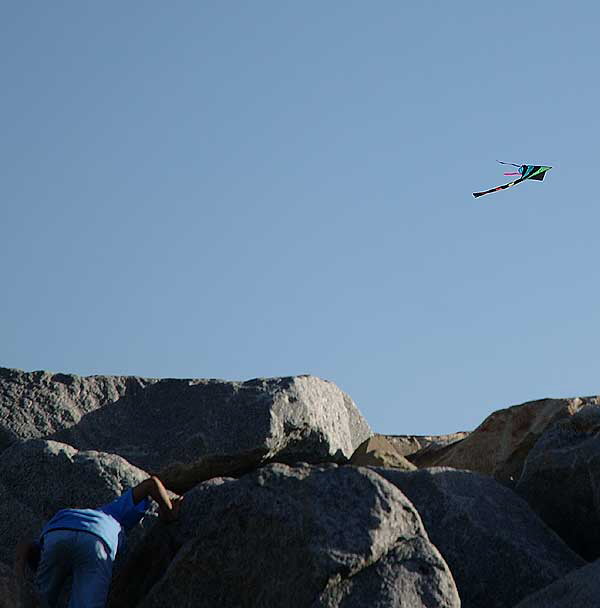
{"x": 498, "y": 550}
{"x": 579, "y": 589}
{"x": 292, "y": 536}
{"x": 561, "y": 477}
{"x": 377, "y": 451}
{"x": 159, "y": 424}
{"x": 15, "y": 593}
{"x": 499, "y": 446}
{"x": 259, "y": 527}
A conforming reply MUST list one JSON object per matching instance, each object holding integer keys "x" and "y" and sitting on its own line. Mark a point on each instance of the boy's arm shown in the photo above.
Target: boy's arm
{"x": 168, "y": 510}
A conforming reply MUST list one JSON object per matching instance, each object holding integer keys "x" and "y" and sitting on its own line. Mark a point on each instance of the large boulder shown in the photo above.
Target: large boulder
{"x": 174, "y": 425}
{"x": 38, "y": 477}
{"x": 297, "y": 536}
{"x": 500, "y": 444}
{"x": 579, "y": 589}
{"x": 497, "y": 548}
{"x": 560, "y": 480}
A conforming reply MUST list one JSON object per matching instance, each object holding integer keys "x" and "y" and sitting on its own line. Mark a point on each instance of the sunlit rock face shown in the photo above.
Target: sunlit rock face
{"x": 378, "y": 451}
{"x": 500, "y": 444}
{"x": 175, "y": 424}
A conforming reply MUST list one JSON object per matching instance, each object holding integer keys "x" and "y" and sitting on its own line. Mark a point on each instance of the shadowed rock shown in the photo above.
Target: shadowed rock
{"x": 181, "y": 478}
{"x": 579, "y": 589}
{"x": 15, "y": 593}
{"x": 290, "y": 536}
{"x": 560, "y": 480}
{"x": 497, "y": 548}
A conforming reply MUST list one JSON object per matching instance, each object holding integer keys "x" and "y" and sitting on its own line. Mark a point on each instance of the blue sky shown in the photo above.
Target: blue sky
{"x": 243, "y": 189}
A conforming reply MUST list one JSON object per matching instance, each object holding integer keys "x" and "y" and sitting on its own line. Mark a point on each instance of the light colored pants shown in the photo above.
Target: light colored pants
{"x": 78, "y": 554}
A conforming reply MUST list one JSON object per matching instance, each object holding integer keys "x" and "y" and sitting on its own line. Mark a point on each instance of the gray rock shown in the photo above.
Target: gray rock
{"x": 560, "y": 480}
{"x": 39, "y": 404}
{"x": 497, "y": 548}
{"x": 408, "y": 576}
{"x": 579, "y": 589}
{"x": 290, "y": 536}
{"x": 37, "y": 478}
{"x": 155, "y": 424}
{"x": 18, "y": 522}
{"x": 15, "y": 593}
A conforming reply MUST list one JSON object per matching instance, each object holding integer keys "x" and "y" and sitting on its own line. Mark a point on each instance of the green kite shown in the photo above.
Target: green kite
{"x": 537, "y": 172}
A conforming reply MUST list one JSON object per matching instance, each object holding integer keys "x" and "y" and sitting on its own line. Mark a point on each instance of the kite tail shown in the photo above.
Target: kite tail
{"x": 517, "y": 173}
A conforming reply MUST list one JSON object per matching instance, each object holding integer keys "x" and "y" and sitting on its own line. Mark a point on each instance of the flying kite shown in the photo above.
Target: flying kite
{"x": 537, "y": 172}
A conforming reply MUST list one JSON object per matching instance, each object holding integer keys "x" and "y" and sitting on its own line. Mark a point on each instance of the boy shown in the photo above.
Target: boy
{"x": 84, "y": 543}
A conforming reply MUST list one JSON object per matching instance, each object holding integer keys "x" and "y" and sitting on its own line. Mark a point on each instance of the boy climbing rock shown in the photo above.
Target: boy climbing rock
{"x": 83, "y": 543}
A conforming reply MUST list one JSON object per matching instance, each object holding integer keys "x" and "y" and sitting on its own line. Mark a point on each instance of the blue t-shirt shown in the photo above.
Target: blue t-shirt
{"x": 109, "y": 522}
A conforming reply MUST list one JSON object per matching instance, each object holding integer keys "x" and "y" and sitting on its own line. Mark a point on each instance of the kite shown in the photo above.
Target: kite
{"x": 537, "y": 172}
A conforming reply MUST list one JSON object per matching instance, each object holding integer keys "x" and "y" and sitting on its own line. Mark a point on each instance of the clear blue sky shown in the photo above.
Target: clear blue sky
{"x": 243, "y": 189}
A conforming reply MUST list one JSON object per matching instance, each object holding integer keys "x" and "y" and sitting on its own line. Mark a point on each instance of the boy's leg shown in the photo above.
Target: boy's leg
{"x": 92, "y": 572}
{"x": 56, "y": 563}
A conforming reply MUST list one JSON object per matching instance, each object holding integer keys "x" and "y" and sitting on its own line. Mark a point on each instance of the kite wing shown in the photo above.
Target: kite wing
{"x": 539, "y": 176}
{"x": 537, "y": 172}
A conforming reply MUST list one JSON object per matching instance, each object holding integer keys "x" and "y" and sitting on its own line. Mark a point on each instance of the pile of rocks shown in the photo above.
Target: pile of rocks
{"x": 291, "y": 499}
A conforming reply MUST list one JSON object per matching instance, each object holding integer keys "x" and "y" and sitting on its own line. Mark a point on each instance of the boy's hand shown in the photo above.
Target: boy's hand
{"x": 167, "y": 515}
{"x": 168, "y": 508}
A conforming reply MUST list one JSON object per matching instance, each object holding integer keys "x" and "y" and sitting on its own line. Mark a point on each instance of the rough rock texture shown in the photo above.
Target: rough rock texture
{"x": 290, "y": 536}
{"x": 499, "y": 446}
{"x": 411, "y": 445}
{"x": 263, "y": 533}
{"x": 14, "y": 593}
{"x": 377, "y": 451}
{"x": 561, "y": 480}
{"x": 579, "y": 589}
{"x": 9, "y": 595}
{"x": 498, "y": 550}
{"x": 162, "y": 423}
{"x": 8, "y": 588}
{"x": 37, "y": 478}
